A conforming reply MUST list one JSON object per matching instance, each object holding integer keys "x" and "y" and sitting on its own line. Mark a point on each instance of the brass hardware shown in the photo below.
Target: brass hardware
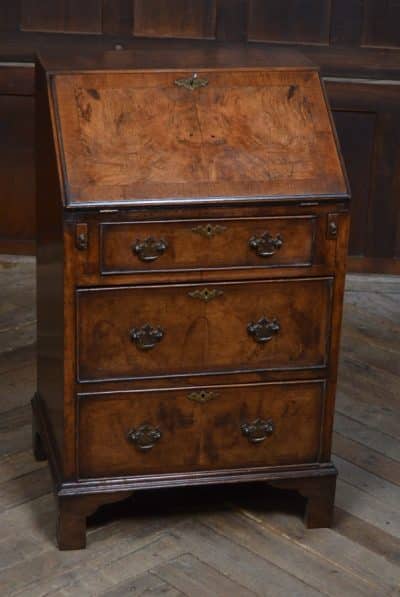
{"x": 192, "y": 83}
{"x": 257, "y": 431}
{"x": 145, "y": 436}
{"x": 209, "y": 230}
{"x": 81, "y": 236}
{"x": 149, "y": 249}
{"x": 202, "y": 396}
{"x": 146, "y": 337}
{"x": 263, "y": 330}
{"x": 266, "y": 245}
{"x": 206, "y": 294}
{"x": 333, "y": 227}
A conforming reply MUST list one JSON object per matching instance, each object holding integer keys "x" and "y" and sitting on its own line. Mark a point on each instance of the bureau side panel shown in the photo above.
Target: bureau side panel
{"x": 50, "y": 284}
{"x": 343, "y": 223}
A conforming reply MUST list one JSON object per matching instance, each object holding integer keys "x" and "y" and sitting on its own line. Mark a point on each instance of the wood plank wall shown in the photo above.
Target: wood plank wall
{"x": 356, "y": 43}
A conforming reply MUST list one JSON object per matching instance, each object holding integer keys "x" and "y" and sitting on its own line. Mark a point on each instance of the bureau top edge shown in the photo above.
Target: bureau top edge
{"x": 126, "y": 205}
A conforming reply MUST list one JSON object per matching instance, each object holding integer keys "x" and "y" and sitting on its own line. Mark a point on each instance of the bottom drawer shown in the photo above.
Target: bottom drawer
{"x": 198, "y": 429}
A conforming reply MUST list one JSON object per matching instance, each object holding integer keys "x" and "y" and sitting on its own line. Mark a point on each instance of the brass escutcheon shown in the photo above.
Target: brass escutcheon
{"x": 206, "y": 294}
{"x": 192, "y": 83}
{"x": 209, "y": 230}
{"x": 202, "y": 396}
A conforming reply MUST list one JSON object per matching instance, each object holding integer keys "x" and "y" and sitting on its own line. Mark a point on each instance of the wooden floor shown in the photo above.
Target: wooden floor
{"x": 228, "y": 542}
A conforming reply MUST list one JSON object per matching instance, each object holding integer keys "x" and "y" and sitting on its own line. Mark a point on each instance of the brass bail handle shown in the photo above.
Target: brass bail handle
{"x": 257, "y": 431}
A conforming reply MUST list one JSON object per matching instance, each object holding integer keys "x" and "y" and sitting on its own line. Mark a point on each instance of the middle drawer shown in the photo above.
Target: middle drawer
{"x": 169, "y": 330}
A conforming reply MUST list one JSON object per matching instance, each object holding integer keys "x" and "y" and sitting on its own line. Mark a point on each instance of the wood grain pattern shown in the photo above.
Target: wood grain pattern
{"x": 214, "y": 140}
{"x": 202, "y": 336}
{"x": 87, "y": 265}
{"x": 202, "y": 244}
{"x": 196, "y": 435}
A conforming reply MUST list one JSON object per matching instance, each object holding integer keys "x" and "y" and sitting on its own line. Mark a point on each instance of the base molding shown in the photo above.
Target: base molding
{"x": 76, "y": 500}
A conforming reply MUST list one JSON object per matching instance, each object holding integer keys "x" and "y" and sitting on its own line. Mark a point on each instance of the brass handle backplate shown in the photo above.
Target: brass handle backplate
{"x": 146, "y": 337}
{"x": 145, "y": 436}
{"x": 263, "y": 330}
{"x": 149, "y": 249}
{"x": 266, "y": 245}
{"x": 192, "y": 83}
{"x": 257, "y": 431}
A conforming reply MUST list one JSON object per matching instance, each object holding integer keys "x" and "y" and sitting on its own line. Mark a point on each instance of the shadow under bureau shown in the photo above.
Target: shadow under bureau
{"x": 193, "y": 224}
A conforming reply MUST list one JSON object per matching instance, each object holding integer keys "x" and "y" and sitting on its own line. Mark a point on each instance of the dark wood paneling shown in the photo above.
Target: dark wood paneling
{"x": 232, "y": 17}
{"x": 290, "y": 21}
{"x": 346, "y": 22}
{"x": 117, "y": 17}
{"x": 9, "y": 15}
{"x": 70, "y": 16}
{"x": 382, "y": 202}
{"x": 384, "y": 210}
{"x": 175, "y": 18}
{"x": 356, "y": 132}
{"x": 17, "y": 186}
{"x": 381, "y": 23}
{"x": 17, "y": 80}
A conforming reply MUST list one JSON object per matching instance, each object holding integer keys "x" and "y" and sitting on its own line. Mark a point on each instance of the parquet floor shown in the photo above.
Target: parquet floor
{"x": 217, "y": 542}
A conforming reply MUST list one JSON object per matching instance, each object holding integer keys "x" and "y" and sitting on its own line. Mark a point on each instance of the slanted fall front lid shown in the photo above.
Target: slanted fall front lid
{"x": 155, "y": 137}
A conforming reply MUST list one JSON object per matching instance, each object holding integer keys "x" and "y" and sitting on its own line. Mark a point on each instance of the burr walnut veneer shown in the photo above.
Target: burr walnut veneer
{"x": 193, "y": 223}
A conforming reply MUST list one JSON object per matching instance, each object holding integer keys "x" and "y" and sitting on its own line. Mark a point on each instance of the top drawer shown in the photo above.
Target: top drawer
{"x": 208, "y": 244}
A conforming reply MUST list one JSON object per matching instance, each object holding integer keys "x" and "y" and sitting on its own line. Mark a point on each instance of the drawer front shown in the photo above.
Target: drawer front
{"x": 211, "y": 428}
{"x": 203, "y": 244}
{"x": 167, "y": 330}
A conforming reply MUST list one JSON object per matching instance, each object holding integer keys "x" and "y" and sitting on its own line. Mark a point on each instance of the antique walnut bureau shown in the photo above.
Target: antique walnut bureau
{"x": 193, "y": 223}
